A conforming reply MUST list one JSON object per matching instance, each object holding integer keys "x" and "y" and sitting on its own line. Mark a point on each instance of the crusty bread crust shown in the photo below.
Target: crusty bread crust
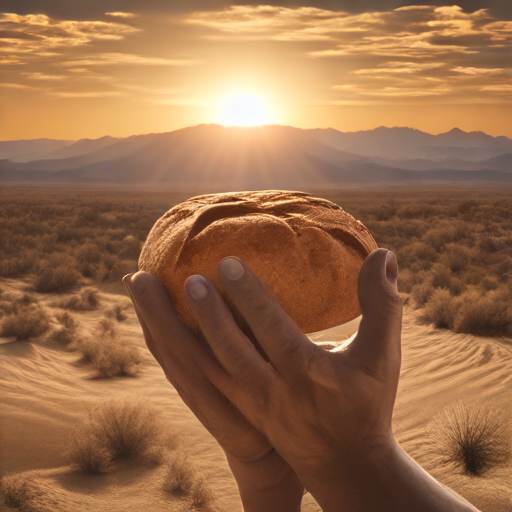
{"x": 306, "y": 250}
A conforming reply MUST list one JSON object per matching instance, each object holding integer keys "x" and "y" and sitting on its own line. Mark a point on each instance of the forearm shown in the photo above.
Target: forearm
{"x": 267, "y": 486}
{"x": 389, "y": 482}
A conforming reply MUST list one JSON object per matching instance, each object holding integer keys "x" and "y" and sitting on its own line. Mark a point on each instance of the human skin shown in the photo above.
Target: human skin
{"x": 308, "y": 416}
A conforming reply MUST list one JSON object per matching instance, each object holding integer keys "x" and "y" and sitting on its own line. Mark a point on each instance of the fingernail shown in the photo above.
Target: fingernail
{"x": 391, "y": 265}
{"x": 126, "y": 280}
{"x": 231, "y": 268}
{"x": 198, "y": 287}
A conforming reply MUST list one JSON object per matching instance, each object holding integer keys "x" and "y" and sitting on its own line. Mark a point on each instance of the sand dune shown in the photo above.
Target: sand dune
{"x": 44, "y": 392}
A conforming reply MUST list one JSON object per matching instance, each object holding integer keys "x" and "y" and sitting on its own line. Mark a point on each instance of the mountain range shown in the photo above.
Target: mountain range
{"x": 263, "y": 157}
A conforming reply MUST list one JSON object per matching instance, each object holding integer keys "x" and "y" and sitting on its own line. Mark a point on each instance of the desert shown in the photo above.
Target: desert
{"x": 72, "y": 346}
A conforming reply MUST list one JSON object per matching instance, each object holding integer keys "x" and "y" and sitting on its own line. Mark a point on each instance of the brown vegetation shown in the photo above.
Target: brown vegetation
{"x": 23, "y": 493}
{"x": 472, "y": 436}
{"x": 451, "y": 239}
{"x": 25, "y": 322}
{"x": 119, "y": 429}
{"x": 85, "y": 300}
{"x": 109, "y": 355}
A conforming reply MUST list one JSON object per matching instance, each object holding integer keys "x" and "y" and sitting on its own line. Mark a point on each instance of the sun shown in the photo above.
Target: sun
{"x": 244, "y": 110}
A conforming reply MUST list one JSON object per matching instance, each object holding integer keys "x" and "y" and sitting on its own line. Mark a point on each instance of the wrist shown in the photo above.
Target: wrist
{"x": 384, "y": 478}
{"x": 267, "y": 485}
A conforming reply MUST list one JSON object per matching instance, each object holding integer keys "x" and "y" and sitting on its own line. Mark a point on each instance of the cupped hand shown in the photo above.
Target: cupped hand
{"x": 266, "y": 481}
{"x": 326, "y": 413}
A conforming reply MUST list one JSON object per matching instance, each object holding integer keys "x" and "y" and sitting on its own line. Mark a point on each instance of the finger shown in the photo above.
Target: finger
{"x": 285, "y": 344}
{"x": 378, "y": 339}
{"x": 232, "y": 348}
{"x": 215, "y": 411}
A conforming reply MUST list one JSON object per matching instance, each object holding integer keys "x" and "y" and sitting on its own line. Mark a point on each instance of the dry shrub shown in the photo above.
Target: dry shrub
{"x": 472, "y": 435}
{"x": 439, "y": 237}
{"x": 116, "y": 312}
{"x": 131, "y": 248}
{"x": 109, "y": 355}
{"x": 201, "y": 494}
{"x": 117, "y": 429}
{"x": 474, "y": 275}
{"x": 484, "y": 315}
{"x": 27, "y": 322}
{"x": 86, "y": 300}
{"x": 18, "y": 266}
{"x": 489, "y": 283}
{"x": 405, "y": 280}
{"x": 57, "y": 275}
{"x": 441, "y": 309}
{"x": 442, "y": 278}
{"x": 67, "y": 333}
{"x": 505, "y": 267}
{"x": 21, "y": 492}
{"x": 456, "y": 257}
{"x": 180, "y": 476}
{"x": 422, "y": 292}
{"x": 417, "y": 255}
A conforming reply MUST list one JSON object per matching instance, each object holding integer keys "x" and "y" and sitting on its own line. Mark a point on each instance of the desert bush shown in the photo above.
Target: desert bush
{"x": 417, "y": 253}
{"x": 456, "y": 257}
{"x": 405, "y": 280}
{"x": 18, "y": 266}
{"x": 442, "y": 278}
{"x": 439, "y": 237}
{"x": 505, "y": 267}
{"x": 422, "y": 292}
{"x": 85, "y": 300}
{"x": 201, "y": 494}
{"x": 27, "y": 322}
{"x": 472, "y": 436}
{"x": 116, "y": 312}
{"x": 21, "y": 492}
{"x": 67, "y": 333}
{"x": 466, "y": 206}
{"x": 180, "y": 476}
{"x": 131, "y": 248}
{"x": 108, "y": 355}
{"x": 56, "y": 279}
{"x": 473, "y": 275}
{"x": 441, "y": 309}
{"x": 113, "y": 430}
{"x": 489, "y": 283}
{"x": 484, "y": 315}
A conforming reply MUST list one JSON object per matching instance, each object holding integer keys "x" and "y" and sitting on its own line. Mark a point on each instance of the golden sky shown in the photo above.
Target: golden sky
{"x": 88, "y": 73}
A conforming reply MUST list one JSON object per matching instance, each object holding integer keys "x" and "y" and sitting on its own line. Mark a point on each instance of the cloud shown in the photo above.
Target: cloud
{"x": 17, "y": 86}
{"x": 42, "y": 76}
{"x": 122, "y": 14}
{"x": 478, "y": 71}
{"x": 104, "y": 59}
{"x": 85, "y": 94}
{"x": 35, "y": 35}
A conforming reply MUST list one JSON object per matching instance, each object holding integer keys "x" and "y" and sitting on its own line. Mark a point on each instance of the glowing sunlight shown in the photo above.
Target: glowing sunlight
{"x": 244, "y": 110}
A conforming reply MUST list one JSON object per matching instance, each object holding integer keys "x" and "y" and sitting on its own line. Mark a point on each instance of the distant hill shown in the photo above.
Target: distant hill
{"x": 397, "y": 143}
{"x": 33, "y": 148}
{"x": 263, "y": 157}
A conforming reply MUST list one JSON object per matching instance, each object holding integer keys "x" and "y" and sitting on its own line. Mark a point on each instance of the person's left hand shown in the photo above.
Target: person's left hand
{"x": 265, "y": 480}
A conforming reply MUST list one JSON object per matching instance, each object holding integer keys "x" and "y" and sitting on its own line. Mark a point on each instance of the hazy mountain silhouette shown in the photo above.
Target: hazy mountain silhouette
{"x": 396, "y": 143}
{"x": 263, "y": 157}
{"x": 32, "y": 149}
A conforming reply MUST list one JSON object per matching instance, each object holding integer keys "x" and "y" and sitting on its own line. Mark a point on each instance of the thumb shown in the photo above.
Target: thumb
{"x": 377, "y": 342}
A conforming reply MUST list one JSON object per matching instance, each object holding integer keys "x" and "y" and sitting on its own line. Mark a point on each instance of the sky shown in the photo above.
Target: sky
{"x": 72, "y": 70}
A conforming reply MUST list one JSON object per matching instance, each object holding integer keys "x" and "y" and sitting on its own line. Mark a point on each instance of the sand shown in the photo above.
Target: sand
{"x": 44, "y": 393}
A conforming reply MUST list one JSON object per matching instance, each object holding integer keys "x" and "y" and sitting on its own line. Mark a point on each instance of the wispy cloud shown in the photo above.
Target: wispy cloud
{"x": 104, "y": 59}
{"x": 478, "y": 71}
{"x": 43, "y": 76}
{"x": 122, "y": 14}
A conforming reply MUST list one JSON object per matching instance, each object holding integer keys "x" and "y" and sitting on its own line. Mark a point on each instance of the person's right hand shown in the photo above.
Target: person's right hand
{"x": 328, "y": 414}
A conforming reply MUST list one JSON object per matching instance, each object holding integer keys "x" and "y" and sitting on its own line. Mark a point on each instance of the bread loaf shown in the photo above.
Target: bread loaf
{"x": 306, "y": 250}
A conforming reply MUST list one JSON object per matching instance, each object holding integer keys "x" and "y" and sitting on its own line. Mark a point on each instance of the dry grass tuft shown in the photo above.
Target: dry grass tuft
{"x": 114, "y": 430}
{"x": 180, "y": 476}
{"x": 484, "y": 315}
{"x": 472, "y": 436}
{"x": 422, "y": 292}
{"x": 67, "y": 333}
{"x": 86, "y": 300}
{"x": 456, "y": 257}
{"x": 25, "y": 323}
{"x": 20, "y": 492}
{"x": 109, "y": 355}
{"x": 441, "y": 309}
{"x": 116, "y": 312}
{"x": 57, "y": 275}
{"x": 182, "y": 480}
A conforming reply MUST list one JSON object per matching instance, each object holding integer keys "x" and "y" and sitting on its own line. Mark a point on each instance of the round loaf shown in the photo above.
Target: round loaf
{"x": 307, "y": 251}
